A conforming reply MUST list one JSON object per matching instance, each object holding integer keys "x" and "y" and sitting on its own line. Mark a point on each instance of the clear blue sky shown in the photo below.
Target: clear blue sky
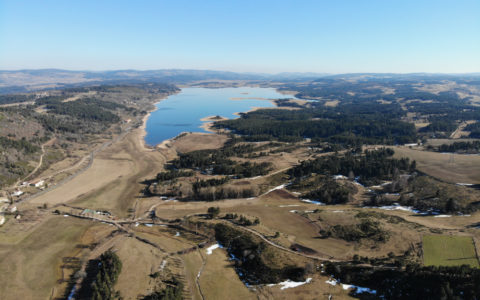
{"x": 334, "y": 36}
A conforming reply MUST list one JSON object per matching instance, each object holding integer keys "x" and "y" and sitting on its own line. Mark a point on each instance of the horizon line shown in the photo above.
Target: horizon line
{"x": 240, "y": 72}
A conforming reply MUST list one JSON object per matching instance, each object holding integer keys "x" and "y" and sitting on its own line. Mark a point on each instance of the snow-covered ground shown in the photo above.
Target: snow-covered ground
{"x": 162, "y": 266}
{"x": 291, "y": 284}
{"x": 213, "y": 247}
{"x": 276, "y": 188}
{"x": 396, "y": 206}
{"x": 313, "y": 202}
{"x": 358, "y": 289}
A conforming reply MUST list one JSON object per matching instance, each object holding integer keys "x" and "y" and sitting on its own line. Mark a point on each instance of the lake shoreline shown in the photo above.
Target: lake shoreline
{"x": 213, "y": 97}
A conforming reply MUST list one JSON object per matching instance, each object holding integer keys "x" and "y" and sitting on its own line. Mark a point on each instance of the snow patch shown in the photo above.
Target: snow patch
{"x": 397, "y": 206}
{"x": 358, "y": 289}
{"x": 313, "y": 202}
{"x": 291, "y": 284}
{"x": 289, "y": 205}
{"x": 162, "y": 266}
{"x": 331, "y": 281}
{"x": 276, "y": 188}
{"x": 336, "y": 177}
{"x": 213, "y": 247}
{"x": 177, "y": 234}
{"x": 442, "y": 216}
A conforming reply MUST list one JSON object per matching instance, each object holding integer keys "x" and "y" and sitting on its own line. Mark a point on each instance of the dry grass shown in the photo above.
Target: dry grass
{"x": 30, "y": 267}
{"x": 219, "y": 279}
{"x": 332, "y": 103}
{"x": 139, "y": 260}
{"x": 453, "y": 168}
{"x": 198, "y": 141}
{"x": 316, "y": 289}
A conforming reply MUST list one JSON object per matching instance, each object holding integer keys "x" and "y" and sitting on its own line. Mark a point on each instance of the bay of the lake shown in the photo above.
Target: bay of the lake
{"x": 182, "y": 112}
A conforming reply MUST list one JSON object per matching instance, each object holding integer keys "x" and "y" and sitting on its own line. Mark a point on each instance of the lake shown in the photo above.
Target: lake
{"x": 182, "y": 112}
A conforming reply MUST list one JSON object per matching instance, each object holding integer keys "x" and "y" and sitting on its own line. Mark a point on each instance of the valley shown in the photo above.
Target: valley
{"x": 313, "y": 196}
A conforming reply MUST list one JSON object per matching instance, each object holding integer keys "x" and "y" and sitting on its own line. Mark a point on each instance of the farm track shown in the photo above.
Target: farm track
{"x": 40, "y": 161}
{"x": 91, "y": 157}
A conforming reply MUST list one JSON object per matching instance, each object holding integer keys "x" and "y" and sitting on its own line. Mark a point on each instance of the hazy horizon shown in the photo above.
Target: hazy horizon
{"x": 242, "y": 72}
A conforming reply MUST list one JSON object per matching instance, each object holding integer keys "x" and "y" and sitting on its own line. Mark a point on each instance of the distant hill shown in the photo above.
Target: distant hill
{"x": 31, "y": 80}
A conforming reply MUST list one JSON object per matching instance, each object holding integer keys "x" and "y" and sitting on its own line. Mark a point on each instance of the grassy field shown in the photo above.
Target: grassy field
{"x": 453, "y": 168}
{"x": 441, "y": 250}
{"x": 30, "y": 267}
{"x": 219, "y": 280}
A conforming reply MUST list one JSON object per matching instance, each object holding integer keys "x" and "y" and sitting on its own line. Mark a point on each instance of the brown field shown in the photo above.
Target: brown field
{"x": 198, "y": 141}
{"x": 219, "y": 280}
{"x": 453, "y": 168}
{"x": 139, "y": 260}
{"x": 30, "y": 266}
{"x": 332, "y": 103}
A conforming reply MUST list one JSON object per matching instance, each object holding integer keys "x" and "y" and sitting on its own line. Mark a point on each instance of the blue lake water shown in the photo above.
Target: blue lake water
{"x": 182, "y": 112}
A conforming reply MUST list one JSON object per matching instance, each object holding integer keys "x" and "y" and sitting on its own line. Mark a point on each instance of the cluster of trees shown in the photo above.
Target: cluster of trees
{"x": 173, "y": 174}
{"x": 173, "y": 291}
{"x": 413, "y": 282}
{"x": 440, "y": 126}
{"x": 366, "y": 229}
{"x": 213, "y": 212}
{"x": 329, "y": 191}
{"x": 427, "y": 194}
{"x": 249, "y": 262}
{"x": 22, "y": 145}
{"x": 370, "y": 167}
{"x": 84, "y": 109}
{"x": 474, "y": 129}
{"x": 102, "y": 274}
{"x": 366, "y": 123}
{"x": 197, "y": 185}
{"x": 15, "y": 98}
{"x": 443, "y": 110}
{"x": 214, "y": 194}
{"x": 469, "y": 147}
{"x": 217, "y": 162}
{"x": 287, "y": 103}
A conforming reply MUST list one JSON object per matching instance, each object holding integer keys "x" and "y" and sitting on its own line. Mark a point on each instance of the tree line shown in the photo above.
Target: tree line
{"x": 369, "y": 167}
